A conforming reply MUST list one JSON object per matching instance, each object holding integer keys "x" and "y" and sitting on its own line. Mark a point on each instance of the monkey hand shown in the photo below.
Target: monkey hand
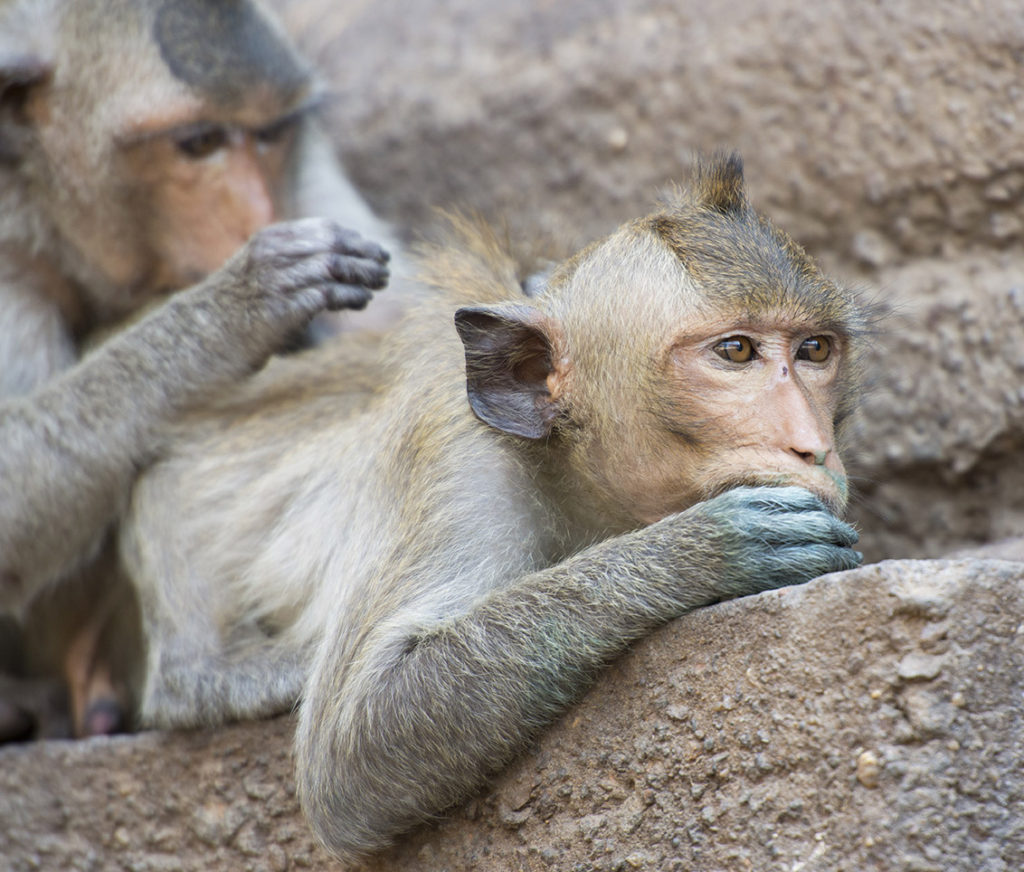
{"x": 759, "y": 538}
{"x": 309, "y": 265}
{"x": 283, "y": 276}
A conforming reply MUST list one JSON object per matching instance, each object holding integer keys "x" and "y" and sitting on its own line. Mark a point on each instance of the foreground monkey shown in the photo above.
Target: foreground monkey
{"x": 142, "y": 142}
{"x": 653, "y": 431}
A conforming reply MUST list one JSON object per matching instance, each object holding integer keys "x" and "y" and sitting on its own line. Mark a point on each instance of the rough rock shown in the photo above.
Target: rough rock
{"x": 868, "y": 720}
{"x": 876, "y": 132}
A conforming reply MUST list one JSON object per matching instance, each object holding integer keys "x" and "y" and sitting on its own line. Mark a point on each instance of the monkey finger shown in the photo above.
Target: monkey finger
{"x": 358, "y": 271}
{"x": 787, "y": 499}
{"x": 351, "y": 244}
{"x": 796, "y": 527}
{"x": 285, "y": 243}
{"x": 343, "y": 296}
{"x": 800, "y": 563}
{"x": 772, "y": 499}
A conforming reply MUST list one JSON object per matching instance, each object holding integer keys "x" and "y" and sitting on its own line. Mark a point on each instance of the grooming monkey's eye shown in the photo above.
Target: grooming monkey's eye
{"x": 737, "y": 349}
{"x": 203, "y": 142}
{"x": 817, "y": 349}
{"x": 277, "y": 131}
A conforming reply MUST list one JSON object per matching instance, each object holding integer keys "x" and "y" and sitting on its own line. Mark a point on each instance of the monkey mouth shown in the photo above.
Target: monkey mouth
{"x": 828, "y": 486}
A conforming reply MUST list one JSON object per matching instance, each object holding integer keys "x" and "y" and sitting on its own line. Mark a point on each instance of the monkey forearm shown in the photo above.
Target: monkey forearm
{"x": 72, "y": 449}
{"x": 477, "y": 686}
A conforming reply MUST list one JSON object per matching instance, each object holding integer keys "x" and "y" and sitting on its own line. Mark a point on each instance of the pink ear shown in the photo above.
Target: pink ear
{"x": 508, "y": 361}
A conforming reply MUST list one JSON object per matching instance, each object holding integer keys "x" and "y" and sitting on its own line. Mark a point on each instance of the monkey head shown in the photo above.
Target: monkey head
{"x": 692, "y": 351}
{"x": 149, "y": 138}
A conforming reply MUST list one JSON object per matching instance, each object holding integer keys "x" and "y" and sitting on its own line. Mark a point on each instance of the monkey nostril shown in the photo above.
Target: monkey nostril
{"x": 815, "y": 458}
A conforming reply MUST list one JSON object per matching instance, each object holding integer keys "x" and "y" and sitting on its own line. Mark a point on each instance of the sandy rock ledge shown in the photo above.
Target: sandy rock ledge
{"x": 868, "y": 720}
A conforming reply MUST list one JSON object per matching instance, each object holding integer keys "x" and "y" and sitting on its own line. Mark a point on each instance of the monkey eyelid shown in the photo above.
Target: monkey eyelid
{"x": 150, "y": 131}
{"x": 273, "y": 131}
{"x": 173, "y": 133}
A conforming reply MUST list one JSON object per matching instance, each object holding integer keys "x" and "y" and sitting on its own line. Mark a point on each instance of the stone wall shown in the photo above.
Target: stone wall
{"x": 868, "y": 720}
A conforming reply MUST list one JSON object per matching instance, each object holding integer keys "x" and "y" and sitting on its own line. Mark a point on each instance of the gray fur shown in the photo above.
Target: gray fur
{"x": 226, "y": 49}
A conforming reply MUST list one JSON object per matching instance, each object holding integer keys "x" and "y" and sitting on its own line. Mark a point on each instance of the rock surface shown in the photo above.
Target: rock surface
{"x": 868, "y": 720}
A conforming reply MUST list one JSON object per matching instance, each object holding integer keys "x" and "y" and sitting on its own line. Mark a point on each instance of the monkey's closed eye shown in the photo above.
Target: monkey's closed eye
{"x": 278, "y": 130}
{"x": 736, "y": 349}
{"x": 817, "y": 349}
{"x": 202, "y": 143}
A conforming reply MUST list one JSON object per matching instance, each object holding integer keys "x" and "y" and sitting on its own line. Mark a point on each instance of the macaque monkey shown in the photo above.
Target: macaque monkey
{"x": 435, "y": 546}
{"x": 142, "y": 143}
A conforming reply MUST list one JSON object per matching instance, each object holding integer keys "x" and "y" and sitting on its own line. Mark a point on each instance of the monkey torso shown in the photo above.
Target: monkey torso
{"x": 332, "y": 465}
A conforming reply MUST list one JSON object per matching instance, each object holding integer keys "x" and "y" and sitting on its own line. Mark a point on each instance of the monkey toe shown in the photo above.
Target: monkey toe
{"x": 16, "y": 724}
{"x": 104, "y": 717}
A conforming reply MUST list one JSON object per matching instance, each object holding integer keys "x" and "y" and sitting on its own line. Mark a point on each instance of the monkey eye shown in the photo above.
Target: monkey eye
{"x": 277, "y": 130}
{"x": 203, "y": 142}
{"x": 817, "y": 349}
{"x": 737, "y": 349}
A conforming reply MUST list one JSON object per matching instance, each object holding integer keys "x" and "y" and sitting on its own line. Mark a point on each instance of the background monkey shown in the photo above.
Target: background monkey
{"x": 655, "y": 429}
{"x": 142, "y": 142}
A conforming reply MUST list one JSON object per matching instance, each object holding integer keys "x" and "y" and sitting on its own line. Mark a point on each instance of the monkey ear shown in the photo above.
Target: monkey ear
{"x": 508, "y": 361}
{"x": 19, "y": 72}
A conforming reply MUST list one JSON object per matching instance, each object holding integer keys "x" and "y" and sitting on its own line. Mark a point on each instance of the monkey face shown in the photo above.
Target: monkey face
{"x": 759, "y": 400}
{"x": 153, "y": 169}
{"x": 690, "y": 352}
{"x": 730, "y": 403}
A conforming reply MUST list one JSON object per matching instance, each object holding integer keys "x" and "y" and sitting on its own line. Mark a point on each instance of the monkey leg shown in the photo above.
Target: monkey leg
{"x": 186, "y": 686}
{"x": 97, "y": 706}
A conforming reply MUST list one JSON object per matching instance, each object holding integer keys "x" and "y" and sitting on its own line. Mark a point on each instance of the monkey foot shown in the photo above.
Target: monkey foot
{"x": 104, "y": 717}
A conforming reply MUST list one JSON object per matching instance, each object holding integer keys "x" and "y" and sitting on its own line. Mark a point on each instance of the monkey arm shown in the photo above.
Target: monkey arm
{"x": 34, "y": 341}
{"x": 414, "y": 723}
{"x": 71, "y": 449}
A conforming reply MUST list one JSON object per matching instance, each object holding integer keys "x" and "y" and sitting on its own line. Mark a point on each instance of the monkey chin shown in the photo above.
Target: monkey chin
{"x": 830, "y": 487}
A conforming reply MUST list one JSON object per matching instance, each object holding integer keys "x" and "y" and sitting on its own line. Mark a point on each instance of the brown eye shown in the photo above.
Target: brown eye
{"x": 817, "y": 349}
{"x": 202, "y": 143}
{"x": 737, "y": 349}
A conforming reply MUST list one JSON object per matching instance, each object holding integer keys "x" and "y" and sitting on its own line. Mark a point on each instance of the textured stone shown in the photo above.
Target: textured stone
{"x": 775, "y": 732}
{"x": 875, "y": 132}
